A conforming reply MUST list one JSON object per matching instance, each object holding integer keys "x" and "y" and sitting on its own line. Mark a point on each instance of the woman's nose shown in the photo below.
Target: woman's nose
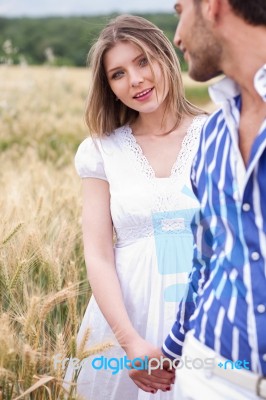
{"x": 136, "y": 79}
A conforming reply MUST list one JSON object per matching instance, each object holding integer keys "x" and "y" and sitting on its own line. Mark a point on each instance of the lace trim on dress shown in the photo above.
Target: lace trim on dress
{"x": 155, "y": 226}
{"x": 165, "y": 197}
{"x": 184, "y": 156}
{"x": 129, "y": 142}
{"x": 188, "y": 145}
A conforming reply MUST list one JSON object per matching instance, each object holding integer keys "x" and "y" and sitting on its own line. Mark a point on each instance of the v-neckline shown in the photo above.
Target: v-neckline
{"x": 144, "y": 162}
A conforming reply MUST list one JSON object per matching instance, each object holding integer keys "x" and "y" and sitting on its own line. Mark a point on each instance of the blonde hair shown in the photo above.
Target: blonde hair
{"x": 103, "y": 112}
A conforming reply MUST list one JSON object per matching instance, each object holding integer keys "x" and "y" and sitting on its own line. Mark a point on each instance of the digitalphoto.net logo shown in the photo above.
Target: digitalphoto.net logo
{"x": 115, "y": 365}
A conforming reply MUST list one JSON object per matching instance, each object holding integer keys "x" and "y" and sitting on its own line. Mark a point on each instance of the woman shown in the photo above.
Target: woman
{"x": 136, "y": 183}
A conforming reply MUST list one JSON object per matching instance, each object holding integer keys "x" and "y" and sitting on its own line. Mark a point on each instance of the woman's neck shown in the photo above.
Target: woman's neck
{"x": 150, "y": 124}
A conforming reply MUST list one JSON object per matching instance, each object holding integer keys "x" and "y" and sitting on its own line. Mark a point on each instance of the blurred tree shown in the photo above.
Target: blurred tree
{"x": 69, "y": 39}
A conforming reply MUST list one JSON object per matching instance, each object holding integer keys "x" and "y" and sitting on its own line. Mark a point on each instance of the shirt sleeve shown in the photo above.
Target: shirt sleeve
{"x": 89, "y": 161}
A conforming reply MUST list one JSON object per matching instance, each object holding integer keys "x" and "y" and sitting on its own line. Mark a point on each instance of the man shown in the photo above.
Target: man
{"x": 225, "y": 307}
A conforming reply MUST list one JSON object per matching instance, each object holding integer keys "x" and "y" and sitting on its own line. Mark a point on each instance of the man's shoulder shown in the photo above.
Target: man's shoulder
{"x": 214, "y": 120}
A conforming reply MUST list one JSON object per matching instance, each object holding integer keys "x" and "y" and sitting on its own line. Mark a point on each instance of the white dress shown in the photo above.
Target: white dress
{"x": 153, "y": 250}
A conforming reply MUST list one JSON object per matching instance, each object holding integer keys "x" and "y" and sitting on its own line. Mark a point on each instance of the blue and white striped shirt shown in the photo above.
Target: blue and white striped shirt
{"x": 225, "y": 304}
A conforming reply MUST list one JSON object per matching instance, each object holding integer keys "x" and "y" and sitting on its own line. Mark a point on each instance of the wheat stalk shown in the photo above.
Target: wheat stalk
{"x": 83, "y": 343}
{"x": 15, "y": 230}
{"x": 53, "y": 300}
{"x": 96, "y": 349}
{"x": 17, "y": 275}
{"x": 29, "y": 324}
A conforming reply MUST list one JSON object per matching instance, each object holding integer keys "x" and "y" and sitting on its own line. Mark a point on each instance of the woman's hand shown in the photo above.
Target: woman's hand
{"x": 156, "y": 377}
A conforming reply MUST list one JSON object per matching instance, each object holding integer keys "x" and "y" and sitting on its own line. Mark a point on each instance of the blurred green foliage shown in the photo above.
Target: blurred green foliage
{"x": 61, "y": 40}
{"x": 197, "y": 95}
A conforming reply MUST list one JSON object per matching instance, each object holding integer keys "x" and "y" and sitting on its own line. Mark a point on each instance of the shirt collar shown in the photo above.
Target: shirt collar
{"x": 260, "y": 82}
{"x": 227, "y": 88}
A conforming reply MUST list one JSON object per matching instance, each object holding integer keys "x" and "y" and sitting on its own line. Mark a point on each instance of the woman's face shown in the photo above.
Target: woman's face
{"x": 131, "y": 79}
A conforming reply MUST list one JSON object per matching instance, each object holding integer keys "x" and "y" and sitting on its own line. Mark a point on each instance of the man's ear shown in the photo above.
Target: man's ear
{"x": 211, "y": 9}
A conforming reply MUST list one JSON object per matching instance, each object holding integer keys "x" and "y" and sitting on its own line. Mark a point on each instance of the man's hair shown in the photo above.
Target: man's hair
{"x": 252, "y": 11}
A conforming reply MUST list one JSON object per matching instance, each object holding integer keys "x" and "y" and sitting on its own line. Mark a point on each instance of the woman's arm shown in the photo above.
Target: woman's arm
{"x": 99, "y": 257}
{"x": 100, "y": 262}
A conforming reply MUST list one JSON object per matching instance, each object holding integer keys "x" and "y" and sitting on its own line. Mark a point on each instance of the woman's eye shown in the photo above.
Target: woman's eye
{"x": 117, "y": 75}
{"x": 143, "y": 62}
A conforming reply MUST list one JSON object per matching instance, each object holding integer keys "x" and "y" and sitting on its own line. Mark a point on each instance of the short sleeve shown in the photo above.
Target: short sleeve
{"x": 88, "y": 160}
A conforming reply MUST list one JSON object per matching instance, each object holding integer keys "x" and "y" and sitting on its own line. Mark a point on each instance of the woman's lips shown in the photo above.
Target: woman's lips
{"x": 144, "y": 94}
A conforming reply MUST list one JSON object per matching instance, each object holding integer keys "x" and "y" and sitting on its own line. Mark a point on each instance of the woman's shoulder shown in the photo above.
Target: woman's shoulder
{"x": 88, "y": 159}
{"x": 99, "y": 140}
{"x": 199, "y": 120}
{"x": 98, "y": 144}
{"x": 196, "y": 124}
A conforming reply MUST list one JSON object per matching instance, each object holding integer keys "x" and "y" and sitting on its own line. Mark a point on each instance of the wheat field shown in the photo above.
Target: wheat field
{"x": 43, "y": 285}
